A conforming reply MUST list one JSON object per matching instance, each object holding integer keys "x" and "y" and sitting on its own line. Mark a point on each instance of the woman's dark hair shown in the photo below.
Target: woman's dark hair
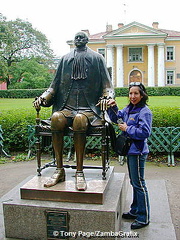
{"x": 142, "y": 91}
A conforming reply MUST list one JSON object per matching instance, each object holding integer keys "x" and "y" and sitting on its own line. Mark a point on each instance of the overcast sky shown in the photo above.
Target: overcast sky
{"x": 59, "y": 20}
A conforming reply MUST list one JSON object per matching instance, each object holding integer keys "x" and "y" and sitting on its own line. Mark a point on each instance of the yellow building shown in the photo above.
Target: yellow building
{"x": 136, "y": 52}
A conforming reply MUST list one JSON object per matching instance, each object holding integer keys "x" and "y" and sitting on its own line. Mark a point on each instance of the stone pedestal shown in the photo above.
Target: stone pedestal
{"x": 66, "y": 191}
{"x": 27, "y": 219}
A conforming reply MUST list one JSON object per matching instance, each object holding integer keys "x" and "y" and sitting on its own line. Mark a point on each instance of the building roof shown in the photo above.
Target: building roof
{"x": 97, "y": 35}
{"x": 129, "y": 30}
{"x": 171, "y": 33}
{"x": 101, "y": 35}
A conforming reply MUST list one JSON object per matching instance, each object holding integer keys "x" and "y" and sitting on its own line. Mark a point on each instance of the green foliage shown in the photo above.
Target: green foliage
{"x": 152, "y": 91}
{"x": 163, "y": 91}
{"x": 3, "y": 70}
{"x": 166, "y": 116}
{"x": 29, "y": 74}
{"x": 19, "y": 40}
{"x": 14, "y": 124}
{"x": 21, "y": 93}
{"x": 120, "y": 92}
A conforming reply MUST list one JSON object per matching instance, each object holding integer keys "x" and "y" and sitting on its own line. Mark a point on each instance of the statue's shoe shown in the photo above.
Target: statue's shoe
{"x": 80, "y": 181}
{"x": 58, "y": 176}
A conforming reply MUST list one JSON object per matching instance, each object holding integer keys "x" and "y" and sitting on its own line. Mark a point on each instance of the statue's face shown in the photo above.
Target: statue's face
{"x": 80, "y": 39}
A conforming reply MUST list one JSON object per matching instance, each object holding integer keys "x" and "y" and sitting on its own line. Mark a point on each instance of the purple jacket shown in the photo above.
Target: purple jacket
{"x": 139, "y": 122}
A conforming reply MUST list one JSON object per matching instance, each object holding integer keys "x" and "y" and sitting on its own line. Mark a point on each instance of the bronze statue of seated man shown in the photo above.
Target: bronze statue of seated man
{"x": 80, "y": 81}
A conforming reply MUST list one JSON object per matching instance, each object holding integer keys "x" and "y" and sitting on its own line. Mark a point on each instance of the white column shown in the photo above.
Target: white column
{"x": 119, "y": 67}
{"x": 151, "y": 65}
{"x": 161, "y": 65}
{"x": 110, "y": 59}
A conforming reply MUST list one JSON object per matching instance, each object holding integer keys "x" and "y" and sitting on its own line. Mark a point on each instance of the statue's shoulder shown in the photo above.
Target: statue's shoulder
{"x": 97, "y": 55}
{"x": 90, "y": 51}
{"x": 67, "y": 57}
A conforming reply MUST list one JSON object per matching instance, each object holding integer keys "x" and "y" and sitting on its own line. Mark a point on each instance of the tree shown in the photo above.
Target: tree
{"x": 29, "y": 74}
{"x": 19, "y": 40}
{"x": 3, "y": 70}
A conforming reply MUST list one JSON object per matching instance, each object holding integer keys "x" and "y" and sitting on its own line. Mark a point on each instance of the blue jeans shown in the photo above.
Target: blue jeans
{"x": 140, "y": 205}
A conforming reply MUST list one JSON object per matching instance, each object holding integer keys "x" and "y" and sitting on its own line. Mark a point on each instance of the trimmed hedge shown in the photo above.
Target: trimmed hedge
{"x": 166, "y": 116}
{"x": 14, "y": 124}
{"x": 151, "y": 91}
{"x": 120, "y": 92}
{"x": 163, "y": 91}
{"x": 21, "y": 93}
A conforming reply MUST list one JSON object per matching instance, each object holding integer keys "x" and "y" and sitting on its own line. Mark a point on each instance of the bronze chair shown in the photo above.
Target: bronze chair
{"x": 106, "y": 132}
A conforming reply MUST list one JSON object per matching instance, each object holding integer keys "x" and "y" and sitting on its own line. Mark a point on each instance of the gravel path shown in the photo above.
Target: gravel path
{"x": 13, "y": 173}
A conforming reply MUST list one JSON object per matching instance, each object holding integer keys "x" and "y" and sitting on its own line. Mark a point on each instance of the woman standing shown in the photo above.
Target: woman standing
{"x": 136, "y": 123}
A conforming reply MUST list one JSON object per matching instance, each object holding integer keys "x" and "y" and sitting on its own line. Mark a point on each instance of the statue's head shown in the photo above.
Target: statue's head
{"x": 81, "y": 39}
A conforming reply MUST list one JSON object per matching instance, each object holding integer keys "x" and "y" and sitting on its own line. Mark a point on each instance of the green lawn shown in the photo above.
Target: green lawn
{"x": 27, "y": 103}
{"x": 16, "y": 103}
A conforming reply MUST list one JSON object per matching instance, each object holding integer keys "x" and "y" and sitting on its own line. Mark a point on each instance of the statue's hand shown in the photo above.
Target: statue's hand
{"x": 103, "y": 103}
{"x": 39, "y": 101}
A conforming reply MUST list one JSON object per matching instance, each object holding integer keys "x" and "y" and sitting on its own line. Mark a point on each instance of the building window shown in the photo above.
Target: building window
{"x": 170, "y": 53}
{"x": 135, "y": 54}
{"x": 170, "y": 77}
{"x": 178, "y": 75}
{"x": 101, "y": 51}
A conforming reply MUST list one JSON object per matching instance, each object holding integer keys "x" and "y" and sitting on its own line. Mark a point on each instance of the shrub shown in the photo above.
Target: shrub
{"x": 14, "y": 124}
{"x": 163, "y": 91}
{"x": 120, "y": 92}
{"x": 21, "y": 93}
{"x": 152, "y": 91}
{"x": 166, "y": 116}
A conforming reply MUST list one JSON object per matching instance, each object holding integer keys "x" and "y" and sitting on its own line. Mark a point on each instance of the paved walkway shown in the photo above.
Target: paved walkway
{"x": 12, "y": 174}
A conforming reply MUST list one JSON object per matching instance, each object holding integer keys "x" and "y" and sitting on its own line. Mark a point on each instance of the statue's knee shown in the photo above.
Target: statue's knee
{"x": 58, "y": 121}
{"x": 80, "y": 122}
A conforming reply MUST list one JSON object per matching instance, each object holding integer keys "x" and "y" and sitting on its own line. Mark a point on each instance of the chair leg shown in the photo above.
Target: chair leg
{"x": 104, "y": 153}
{"x": 38, "y": 149}
{"x": 107, "y": 152}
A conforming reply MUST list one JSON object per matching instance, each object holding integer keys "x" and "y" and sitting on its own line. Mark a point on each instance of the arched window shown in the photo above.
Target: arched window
{"x": 135, "y": 76}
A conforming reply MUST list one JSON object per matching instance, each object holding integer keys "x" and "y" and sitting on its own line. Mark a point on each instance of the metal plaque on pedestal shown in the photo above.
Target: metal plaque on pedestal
{"x": 57, "y": 224}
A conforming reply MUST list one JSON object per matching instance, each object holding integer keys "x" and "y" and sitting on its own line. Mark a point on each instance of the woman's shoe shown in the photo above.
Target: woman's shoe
{"x": 137, "y": 225}
{"x": 128, "y": 215}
